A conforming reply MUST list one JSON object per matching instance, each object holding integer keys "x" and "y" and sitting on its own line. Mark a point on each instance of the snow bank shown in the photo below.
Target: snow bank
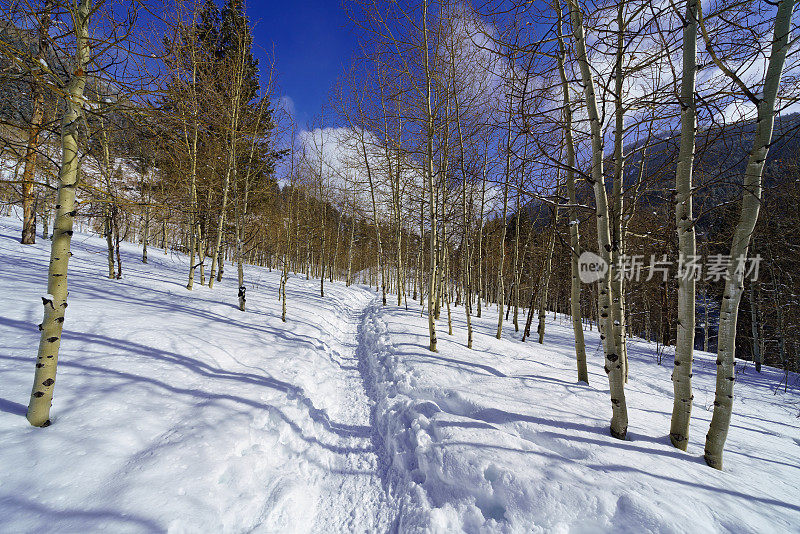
{"x": 503, "y": 438}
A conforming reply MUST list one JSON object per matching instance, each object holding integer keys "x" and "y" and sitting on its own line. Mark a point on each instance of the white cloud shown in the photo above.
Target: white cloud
{"x": 286, "y": 104}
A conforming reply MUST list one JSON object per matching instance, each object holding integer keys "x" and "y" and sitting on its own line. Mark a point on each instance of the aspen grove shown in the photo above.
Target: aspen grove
{"x": 612, "y": 181}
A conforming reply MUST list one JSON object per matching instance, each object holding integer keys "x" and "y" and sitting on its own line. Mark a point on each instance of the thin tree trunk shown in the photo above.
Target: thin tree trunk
{"x": 754, "y": 327}
{"x": 55, "y": 303}
{"x": 613, "y": 365}
{"x": 34, "y": 135}
{"x": 230, "y": 168}
{"x": 145, "y": 232}
{"x": 574, "y": 231}
{"x": 684, "y": 222}
{"x": 751, "y": 201}
{"x": 115, "y": 221}
{"x": 501, "y": 263}
{"x": 350, "y": 246}
{"x": 480, "y": 284}
{"x": 194, "y": 218}
{"x": 617, "y": 237}
{"x": 108, "y": 231}
{"x": 516, "y": 268}
{"x": 429, "y": 175}
{"x": 545, "y": 284}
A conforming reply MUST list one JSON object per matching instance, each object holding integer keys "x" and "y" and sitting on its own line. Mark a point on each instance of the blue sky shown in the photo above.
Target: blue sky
{"x": 312, "y": 40}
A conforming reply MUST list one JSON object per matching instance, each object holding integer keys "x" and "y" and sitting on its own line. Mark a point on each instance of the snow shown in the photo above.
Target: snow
{"x": 503, "y": 438}
{"x": 176, "y": 412}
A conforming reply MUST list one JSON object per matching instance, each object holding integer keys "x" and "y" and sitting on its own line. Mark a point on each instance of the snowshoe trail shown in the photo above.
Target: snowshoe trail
{"x": 333, "y": 481}
{"x": 353, "y": 497}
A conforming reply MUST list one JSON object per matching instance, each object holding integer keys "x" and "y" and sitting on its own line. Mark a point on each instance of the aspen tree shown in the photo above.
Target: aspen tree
{"x": 46, "y": 207}
{"x": 108, "y": 232}
{"x": 35, "y": 129}
{"x": 107, "y": 171}
{"x": 241, "y": 211}
{"x": 230, "y": 167}
{"x": 429, "y": 133}
{"x": 575, "y": 252}
{"x": 616, "y": 214}
{"x": 288, "y": 225}
{"x": 516, "y": 267}
{"x": 480, "y": 283}
{"x": 751, "y": 199}
{"x": 684, "y": 222}
{"x": 55, "y": 302}
{"x": 755, "y": 326}
{"x": 500, "y": 287}
{"x": 421, "y": 262}
{"x": 545, "y": 282}
{"x": 613, "y": 364}
{"x": 349, "y": 279}
{"x": 117, "y": 239}
{"x": 189, "y": 109}
{"x": 465, "y": 248}
{"x": 146, "y": 229}
{"x": 368, "y": 167}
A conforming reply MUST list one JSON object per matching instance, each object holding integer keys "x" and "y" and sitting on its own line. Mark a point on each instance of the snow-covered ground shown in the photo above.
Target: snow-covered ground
{"x": 176, "y": 412}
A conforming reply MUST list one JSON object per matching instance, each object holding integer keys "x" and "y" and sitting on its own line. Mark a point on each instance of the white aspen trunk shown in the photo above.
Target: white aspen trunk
{"x": 55, "y": 302}
{"x": 191, "y": 146}
{"x": 221, "y": 259}
{"x": 448, "y": 286}
{"x": 230, "y": 168}
{"x": 421, "y": 252}
{"x": 108, "y": 231}
{"x": 335, "y": 255}
{"x": 501, "y": 263}
{"x": 202, "y": 239}
{"x": 145, "y": 231}
{"x": 515, "y": 290}
{"x": 239, "y": 244}
{"x": 350, "y": 247}
{"x": 242, "y": 217}
{"x": 115, "y": 221}
{"x": 46, "y": 208}
{"x": 545, "y": 284}
{"x": 443, "y": 287}
{"x": 754, "y": 327}
{"x": 684, "y": 223}
{"x": 432, "y": 273}
{"x": 613, "y": 364}
{"x": 399, "y": 233}
{"x": 617, "y": 237}
{"x": 480, "y": 285}
{"x": 574, "y": 231}
{"x": 751, "y": 201}
{"x": 220, "y": 223}
{"x": 465, "y": 248}
{"x": 375, "y": 217}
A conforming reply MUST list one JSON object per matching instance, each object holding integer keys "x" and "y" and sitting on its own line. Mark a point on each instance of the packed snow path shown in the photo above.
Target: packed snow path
{"x": 174, "y": 411}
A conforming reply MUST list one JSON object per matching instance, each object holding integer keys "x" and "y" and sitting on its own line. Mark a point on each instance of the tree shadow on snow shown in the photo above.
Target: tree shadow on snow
{"x": 73, "y": 520}
{"x": 204, "y": 369}
{"x": 12, "y": 407}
